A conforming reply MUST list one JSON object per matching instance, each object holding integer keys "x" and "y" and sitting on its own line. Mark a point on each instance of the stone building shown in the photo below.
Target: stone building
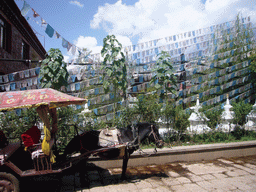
{"x": 19, "y": 46}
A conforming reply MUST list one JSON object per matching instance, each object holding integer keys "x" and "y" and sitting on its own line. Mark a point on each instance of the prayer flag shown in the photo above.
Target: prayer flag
{"x": 57, "y": 35}
{"x": 25, "y": 9}
{"x": 32, "y": 72}
{"x": 35, "y": 14}
{"x": 73, "y": 50}
{"x": 37, "y": 71}
{"x": 95, "y": 111}
{"x": 64, "y": 43}
{"x": 43, "y": 22}
{"x": 7, "y": 87}
{"x": 13, "y": 86}
{"x": 69, "y": 46}
{"x": 11, "y": 78}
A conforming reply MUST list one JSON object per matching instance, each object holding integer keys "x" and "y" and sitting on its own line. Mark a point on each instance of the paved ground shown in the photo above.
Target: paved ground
{"x": 235, "y": 174}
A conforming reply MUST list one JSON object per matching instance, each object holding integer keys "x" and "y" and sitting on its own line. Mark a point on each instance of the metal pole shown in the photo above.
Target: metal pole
{"x": 20, "y": 60}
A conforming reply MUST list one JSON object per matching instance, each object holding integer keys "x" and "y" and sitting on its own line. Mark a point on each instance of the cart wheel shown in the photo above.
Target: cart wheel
{"x": 8, "y": 183}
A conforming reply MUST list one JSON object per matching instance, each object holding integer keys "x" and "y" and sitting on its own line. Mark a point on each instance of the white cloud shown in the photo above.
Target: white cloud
{"x": 77, "y": 3}
{"x": 125, "y": 41}
{"x": 88, "y": 42}
{"x": 153, "y": 19}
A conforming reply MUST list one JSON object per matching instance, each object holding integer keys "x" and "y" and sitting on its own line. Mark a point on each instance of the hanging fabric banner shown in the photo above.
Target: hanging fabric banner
{"x": 43, "y": 22}
{"x": 69, "y": 46}
{"x": 7, "y": 87}
{"x": 13, "y": 86}
{"x": 11, "y": 77}
{"x": 32, "y": 72}
{"x": 49, "y": 31}
{"x": 35, "y": 14}
{"x": 25, "y": 9}
{"x": 6, "y": 79}
{"x": 64, "y": 43}
{"x": 57, "y": 35}
{"x": 21, "y": 74}
{"x": 26, "y": 73}
{"x": 73, "y": 50}
{"x": 29, "y": 82}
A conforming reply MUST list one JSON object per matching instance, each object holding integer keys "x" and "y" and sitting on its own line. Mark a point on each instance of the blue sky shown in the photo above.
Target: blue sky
{"x": 85, "y": 23}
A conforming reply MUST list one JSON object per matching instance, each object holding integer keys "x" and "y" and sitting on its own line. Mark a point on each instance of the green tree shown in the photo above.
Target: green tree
{"x": 164, "y": 80}
{"x": 128, "y": 115}
{"x": 241, "y": 109}
{"x": 253, "y": 63}
{"x": 180, "y": 121}
{"x": 252, "y": 67}
{"x": 164, "y": 77}
{"x": 114, "y": 67}
{"x": 53, "y": 71}
{"x": 13, "y": 125}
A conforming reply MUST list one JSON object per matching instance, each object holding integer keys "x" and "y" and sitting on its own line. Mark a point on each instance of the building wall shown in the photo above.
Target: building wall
{"x": 15, "y": 52}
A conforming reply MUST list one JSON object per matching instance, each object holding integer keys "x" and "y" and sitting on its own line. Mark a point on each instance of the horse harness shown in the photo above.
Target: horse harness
{"x": 129, "y": 144}
{"x": 154, "y": 135}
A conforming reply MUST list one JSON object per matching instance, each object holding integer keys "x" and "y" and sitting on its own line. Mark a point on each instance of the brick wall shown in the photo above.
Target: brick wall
{"x": 7, "y": 67}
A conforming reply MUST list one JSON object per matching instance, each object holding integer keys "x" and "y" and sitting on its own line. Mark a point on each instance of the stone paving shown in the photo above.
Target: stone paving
{"x": 234, "y": 174}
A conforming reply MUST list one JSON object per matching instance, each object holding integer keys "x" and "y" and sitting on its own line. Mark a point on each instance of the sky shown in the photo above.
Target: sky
{"x": 85, "y": 23}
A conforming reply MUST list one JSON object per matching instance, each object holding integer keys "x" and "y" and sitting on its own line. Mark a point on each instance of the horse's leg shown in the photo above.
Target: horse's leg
{"x": 125, "y": 163}
{"x": 83, "y": 176}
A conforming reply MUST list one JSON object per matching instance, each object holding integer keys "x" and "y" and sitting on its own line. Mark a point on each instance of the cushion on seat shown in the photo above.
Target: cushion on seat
{"x": 31, "y": 136}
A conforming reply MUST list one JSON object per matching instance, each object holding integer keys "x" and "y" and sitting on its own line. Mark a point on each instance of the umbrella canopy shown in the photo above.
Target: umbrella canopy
{"x": 36, "y": 97}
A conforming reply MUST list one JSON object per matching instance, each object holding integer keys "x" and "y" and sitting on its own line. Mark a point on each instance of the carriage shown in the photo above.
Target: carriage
{"x": 31, "y": 158}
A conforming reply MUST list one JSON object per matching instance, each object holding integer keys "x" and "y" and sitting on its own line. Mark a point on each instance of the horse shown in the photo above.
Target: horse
{"x": 131, "y": 137}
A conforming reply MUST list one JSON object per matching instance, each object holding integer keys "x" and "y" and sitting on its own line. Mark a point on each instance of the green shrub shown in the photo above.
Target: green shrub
{"x": 238, "y": 132}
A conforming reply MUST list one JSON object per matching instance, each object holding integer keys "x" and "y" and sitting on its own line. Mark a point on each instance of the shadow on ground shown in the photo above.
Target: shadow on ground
{"x": 86, "y": 176}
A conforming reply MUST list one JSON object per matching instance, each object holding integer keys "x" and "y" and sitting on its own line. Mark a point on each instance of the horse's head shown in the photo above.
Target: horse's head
{"x": 151, "y": 131}
{"x": 156, "y": 136}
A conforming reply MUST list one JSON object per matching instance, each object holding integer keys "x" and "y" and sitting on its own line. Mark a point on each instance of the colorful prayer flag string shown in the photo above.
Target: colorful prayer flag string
{"x": 49, "y": 29}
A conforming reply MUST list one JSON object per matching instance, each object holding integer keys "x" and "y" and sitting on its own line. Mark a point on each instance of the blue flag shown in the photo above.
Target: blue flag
{"x": 64, "y": 43}
{"x": 49, "y": 31}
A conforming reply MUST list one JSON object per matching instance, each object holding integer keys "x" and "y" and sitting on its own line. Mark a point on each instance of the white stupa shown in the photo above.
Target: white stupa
{"x": 251, "y": 119}
{"x": 86, "y": 109}
{"x": 226, "y": 118}
{"x": 162, "y": 121}
{"x": 198, "y": 120}
{"x": 83, "y": 118}
{"x": 132, "y": 101}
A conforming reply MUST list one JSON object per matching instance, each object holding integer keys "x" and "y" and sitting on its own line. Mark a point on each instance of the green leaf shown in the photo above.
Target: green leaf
{"x": 53, "y": 67}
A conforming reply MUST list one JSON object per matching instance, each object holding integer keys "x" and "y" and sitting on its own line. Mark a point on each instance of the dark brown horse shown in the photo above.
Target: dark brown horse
{"x": 131, "y": 137}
